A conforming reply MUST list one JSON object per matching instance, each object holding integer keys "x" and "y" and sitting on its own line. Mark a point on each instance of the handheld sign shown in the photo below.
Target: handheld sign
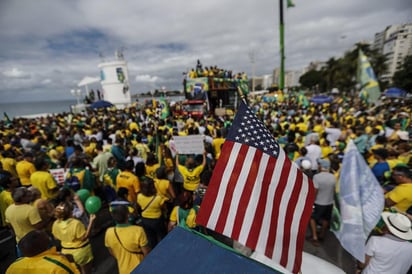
{"x": 191, "y": 144}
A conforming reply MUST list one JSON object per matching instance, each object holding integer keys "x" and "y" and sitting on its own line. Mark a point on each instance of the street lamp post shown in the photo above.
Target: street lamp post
{"x": 164, "y": 91}
{"x": 77, "y": 93}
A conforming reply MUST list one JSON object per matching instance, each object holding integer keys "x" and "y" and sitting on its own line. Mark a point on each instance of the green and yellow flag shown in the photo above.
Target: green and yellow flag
{"x": 165, "y": 108}
{"x": 367, "y": 79}
{"x": 290, "y": 4}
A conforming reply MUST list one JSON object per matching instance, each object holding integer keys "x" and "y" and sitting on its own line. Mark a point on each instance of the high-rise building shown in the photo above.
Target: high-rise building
{"x": 395, "y": 42}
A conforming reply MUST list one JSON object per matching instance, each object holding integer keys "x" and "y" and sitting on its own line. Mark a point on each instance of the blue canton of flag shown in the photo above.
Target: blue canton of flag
{"x": 251, "y": 131}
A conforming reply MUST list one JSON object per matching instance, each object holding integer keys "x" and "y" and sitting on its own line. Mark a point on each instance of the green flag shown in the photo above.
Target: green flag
{"x": 290, "y": 4}
{"x": 165, "y": 108}
{"x": 6, "y": 117}
{"x": 243, "y": 85}
{"x": 302, "y": 99}
{"x": 367, "y": 79}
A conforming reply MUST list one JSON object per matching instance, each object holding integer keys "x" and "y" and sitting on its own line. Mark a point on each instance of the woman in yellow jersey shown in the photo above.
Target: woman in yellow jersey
{"x": 151, "y": 208}
{"x": 73, "y": 236}
{"x": 151, "y": 165}
{"x": 183, "y": 214}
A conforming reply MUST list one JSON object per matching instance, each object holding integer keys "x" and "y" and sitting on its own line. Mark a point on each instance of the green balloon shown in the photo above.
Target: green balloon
{"x": 387, "y": 174}
{"x": 83, "y": 194}
{"x": 93, "y": 204}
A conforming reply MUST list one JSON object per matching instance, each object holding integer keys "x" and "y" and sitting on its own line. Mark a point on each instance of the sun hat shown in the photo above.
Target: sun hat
{"x": 398, "y": 224}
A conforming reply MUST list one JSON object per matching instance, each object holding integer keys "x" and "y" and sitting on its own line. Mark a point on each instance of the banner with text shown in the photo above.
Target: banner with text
{"x": 191, "y": 144}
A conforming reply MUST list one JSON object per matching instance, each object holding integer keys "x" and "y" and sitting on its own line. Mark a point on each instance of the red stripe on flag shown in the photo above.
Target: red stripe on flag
{"x": 307, "y": 212}
{"x": 227, "y": 202}
{"x": 282, "y": 184}
{"x": 260, "y": 209}
{"x": 290, "y": 212}
{"x": 246, "y": 194}
{"x": 209, "y": 200}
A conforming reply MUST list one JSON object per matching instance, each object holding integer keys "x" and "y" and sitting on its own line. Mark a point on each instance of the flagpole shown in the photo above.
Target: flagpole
{"x": 241, "y": 95}
{"x": 282, "y": 47}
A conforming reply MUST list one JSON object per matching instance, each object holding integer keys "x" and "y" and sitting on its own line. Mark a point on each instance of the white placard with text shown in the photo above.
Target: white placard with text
{"x": 191, "y": 144}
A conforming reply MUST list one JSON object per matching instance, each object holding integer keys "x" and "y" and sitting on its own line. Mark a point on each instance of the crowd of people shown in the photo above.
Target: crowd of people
{"x": 214, "y": 71}
{"x": 127, "y": 158}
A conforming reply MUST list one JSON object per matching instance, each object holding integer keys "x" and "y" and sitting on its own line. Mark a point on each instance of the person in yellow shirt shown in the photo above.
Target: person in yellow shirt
{"x": 318, "y": 127}
{"x": 39, "y": 259}
{"x": 22, "y": 216}
{"x": 43, "y": 180}
{"x": 191, "y": 172}
{"x": 151, "y": 207}
{"x": 8, "y": 183}
{"x": 9, "y": 163}
{"x": 405, "y": 153}
{"x": 127, "y": 243}
{"x": 163, "y": 186}
{"x": 325, "y": 148}
{"x": 302, "y": 126}
{"x": 183, "y": 215}
{"x": 127, "y": 179}
{"x": 25, "y": 168}
{"x": 217, "y": 144}
{"x": 142, "y": 148}
{"x": 401, "y": 196}
{"x": 151, "y": 165}
{"x": 73, "y": 236}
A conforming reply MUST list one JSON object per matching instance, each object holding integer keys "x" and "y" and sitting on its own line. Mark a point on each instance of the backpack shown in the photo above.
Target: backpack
{"x": 72, "y": 182}
{"x": 75, "y": 179}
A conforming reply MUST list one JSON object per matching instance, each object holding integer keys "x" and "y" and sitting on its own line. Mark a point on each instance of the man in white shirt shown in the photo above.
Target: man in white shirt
{"x": 391, "y": 252}
{"x": 314, "y": 152}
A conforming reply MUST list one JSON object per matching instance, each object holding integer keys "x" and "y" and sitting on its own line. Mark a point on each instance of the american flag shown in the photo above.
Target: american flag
{"x": 257, "y": 196}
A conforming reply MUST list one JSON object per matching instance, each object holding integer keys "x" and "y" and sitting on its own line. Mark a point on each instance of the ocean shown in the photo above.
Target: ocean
{"x": 16, "y": 109}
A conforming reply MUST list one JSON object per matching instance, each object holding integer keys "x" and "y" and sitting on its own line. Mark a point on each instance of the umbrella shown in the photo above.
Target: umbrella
{"x": 394, "y": 93}
{"x": 101, "y": 104}
{"x": 321, "y": 99}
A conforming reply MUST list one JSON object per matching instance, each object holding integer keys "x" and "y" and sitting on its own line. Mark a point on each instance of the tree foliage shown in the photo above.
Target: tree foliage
{"x": 341, "y": 73}
{"x": 403, "y": 77}
{"x": 311, "y": 79}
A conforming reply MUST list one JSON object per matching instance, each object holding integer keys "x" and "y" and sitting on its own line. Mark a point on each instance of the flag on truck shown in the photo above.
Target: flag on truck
{"x": 256, "y": 195}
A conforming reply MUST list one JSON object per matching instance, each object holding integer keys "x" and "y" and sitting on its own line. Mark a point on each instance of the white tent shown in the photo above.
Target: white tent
{"x": 88, "y": 80}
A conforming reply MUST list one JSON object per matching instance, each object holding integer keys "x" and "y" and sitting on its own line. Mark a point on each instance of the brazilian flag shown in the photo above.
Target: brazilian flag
{"x": 366, "y": 77}
{"x": 302, "y": 99}
{"x": 164, "y": 106}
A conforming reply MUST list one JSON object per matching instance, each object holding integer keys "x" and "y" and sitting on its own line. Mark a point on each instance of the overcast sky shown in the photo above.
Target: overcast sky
{"x": 48, "y": 46}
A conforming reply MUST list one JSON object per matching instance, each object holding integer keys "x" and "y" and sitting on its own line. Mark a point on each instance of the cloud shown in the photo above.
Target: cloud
{"x": 146, "y": 78}
{"x": 16, "y": 73}
{"x": 162, "y": 39}
{"x": 46, "y": 81}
